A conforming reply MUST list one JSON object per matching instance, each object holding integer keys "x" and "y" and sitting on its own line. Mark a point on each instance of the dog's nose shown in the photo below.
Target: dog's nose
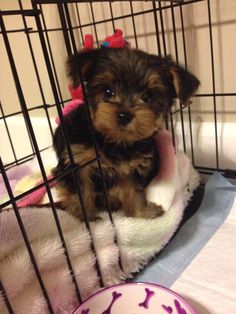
{"x": 124, "y": 117}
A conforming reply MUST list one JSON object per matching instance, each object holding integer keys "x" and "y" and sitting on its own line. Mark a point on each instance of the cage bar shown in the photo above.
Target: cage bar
{"x": 25, "y": 237}
{"x": 67, "y": 28}
{"x": 89, "y": 1}
{"x": 44, "y": 106}
{"x": 186, "y": 67}
{"x": 37, "y": 152}
{"x": 5, "y": 298}
{"x": 213, "y": 82}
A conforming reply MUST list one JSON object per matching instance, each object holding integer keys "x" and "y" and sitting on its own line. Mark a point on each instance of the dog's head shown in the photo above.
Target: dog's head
{"x": 129, "y": 91}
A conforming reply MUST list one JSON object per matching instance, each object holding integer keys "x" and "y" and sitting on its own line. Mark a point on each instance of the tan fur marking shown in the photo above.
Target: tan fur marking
{"x": 153, "y": 80}
{"x": 134, "y": 202}
{"x": 81, "y": 154}
{"x": 125, "y": 169}
{"x": 142, "y": 126}
{"x": 71, "y": 201}
{"x": 145, "y": 122}
{"x": 105, "y": 77}
{"x": 175, "y": 81}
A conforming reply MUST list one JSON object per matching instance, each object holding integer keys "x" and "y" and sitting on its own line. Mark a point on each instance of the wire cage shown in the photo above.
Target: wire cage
{"x": 37, "y": 37}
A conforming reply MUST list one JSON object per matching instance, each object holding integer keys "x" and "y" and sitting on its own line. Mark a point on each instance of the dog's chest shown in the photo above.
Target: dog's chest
{"x": 120, "y": 163}
{"x": 125, "y": 168}
{"x": 134, "y": 170}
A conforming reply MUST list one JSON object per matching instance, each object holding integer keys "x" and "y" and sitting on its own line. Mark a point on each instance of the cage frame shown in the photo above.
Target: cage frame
{"x": 157, "y": 8}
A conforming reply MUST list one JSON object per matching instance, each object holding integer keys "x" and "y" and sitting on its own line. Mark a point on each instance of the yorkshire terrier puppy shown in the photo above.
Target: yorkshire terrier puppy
{"x": 129, "y": 93}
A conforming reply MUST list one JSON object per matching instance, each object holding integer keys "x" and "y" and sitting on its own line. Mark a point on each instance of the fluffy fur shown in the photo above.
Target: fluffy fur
{"x": 129, "y": 93}
{"x": 17, "y": 274}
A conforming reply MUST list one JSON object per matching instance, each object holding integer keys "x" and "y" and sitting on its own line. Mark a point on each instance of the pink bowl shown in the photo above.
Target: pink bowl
{"x": 135, "y": 298}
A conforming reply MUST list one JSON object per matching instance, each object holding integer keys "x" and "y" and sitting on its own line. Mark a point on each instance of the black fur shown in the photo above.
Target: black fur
{"x": 130, "y": 72}
{"x": 140, "y": 85}
{"x": 78, "y": 132}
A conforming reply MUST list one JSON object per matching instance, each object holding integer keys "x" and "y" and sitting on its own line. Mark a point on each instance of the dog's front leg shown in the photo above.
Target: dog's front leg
{"x": 134, "y": 202}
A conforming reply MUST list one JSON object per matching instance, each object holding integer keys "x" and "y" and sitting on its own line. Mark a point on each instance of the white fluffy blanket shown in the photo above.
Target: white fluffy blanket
{"x": 138, "y": 241}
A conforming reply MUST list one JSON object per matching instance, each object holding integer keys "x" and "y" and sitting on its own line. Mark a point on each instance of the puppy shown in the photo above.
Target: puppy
{"x": 129, "y": 93}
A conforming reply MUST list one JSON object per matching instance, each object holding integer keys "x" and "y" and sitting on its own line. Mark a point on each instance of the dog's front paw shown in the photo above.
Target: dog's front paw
{"x": 151, "y": 211}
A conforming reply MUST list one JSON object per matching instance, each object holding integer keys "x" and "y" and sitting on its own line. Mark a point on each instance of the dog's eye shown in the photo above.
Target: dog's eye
{"x": 108, "y": 92}
{"x": 147, "y": 96}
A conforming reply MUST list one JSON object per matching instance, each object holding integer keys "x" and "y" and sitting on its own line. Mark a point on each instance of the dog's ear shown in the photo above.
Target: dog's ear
{"x": 81, "y": 63}
{"x": 184, "y": 83}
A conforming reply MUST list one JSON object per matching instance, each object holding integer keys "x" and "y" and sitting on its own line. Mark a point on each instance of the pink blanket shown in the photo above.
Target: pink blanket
{"x": 139, "y": 240}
